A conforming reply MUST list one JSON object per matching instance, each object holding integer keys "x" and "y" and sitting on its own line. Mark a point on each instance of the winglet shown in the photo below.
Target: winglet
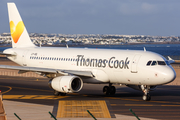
{"x": 170, "y": 60}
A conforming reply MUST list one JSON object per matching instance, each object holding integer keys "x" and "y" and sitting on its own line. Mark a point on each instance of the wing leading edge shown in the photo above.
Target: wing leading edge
{"x": 47, "y": 70}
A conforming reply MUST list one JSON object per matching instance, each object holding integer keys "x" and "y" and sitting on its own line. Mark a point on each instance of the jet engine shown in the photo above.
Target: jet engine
{"x": 66, "y": 84}
{"x": 138, "y": 87}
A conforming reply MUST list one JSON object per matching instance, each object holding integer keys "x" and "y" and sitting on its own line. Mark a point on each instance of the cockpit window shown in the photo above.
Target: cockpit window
{"x": 149, "y": 62}
{"x": 154, "y": 63}
{"x": 161, "y": 63}
{"x": 167, "y": 62}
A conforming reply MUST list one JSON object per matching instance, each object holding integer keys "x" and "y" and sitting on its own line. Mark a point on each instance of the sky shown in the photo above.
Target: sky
{"x": 123, "y": 17}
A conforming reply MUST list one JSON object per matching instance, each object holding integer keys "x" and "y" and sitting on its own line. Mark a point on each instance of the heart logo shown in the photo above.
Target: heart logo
{"x": 17, "y": 30}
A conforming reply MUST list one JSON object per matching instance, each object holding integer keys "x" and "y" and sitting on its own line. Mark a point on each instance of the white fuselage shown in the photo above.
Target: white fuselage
{"x": 107, "y": 65}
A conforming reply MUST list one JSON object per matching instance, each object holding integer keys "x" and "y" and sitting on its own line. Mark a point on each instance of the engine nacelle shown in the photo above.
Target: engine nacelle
{"x": 66, "y": 84}
{"x": 138, "y": 87}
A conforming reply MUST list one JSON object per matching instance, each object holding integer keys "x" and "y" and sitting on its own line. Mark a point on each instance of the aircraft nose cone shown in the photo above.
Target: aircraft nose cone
{"x": 170, "y": 75}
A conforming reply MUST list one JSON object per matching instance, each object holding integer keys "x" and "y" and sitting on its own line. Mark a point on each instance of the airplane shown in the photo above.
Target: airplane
{"x": 69, "y": 68}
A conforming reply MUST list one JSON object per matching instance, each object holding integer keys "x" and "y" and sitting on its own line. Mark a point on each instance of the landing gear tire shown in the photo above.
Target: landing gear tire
{"x": 63, "y": 94}
{"x": 146, "y": 97}
{"x": 106, "y": 90}
{"x": 56, "y": 93}
{"x": 109, "y": 90}
{"x": 112, "y": 90}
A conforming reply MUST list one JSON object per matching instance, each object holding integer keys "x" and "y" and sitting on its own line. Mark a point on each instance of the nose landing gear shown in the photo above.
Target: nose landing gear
{"x": 109, "y": 90}
{"x": 145, "y": 89}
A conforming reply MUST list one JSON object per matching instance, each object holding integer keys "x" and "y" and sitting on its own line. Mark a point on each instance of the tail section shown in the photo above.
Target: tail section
{"x": 19, "y": 34}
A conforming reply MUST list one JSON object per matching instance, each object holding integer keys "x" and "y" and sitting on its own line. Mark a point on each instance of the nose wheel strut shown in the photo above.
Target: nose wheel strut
{"x": 145, "y": 89}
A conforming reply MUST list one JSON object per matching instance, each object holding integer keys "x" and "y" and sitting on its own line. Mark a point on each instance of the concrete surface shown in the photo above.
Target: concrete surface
{"x": 29, "y": 111}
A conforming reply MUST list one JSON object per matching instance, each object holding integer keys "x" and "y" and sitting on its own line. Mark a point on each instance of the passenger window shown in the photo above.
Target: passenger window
{"x": 149, "y": 62}
{"x": 154, "y": 63}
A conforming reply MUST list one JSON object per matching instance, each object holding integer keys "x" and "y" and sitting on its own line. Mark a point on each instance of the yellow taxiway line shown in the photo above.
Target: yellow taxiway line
{"x": 33, "y": 97}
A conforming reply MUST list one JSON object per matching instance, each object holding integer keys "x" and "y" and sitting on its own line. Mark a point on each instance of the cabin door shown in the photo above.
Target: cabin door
{"x": 135, "y": 61}
{"x": 24, "y": 57}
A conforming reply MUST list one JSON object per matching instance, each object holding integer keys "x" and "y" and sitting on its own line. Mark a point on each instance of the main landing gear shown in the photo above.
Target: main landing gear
{"x": 145, "y": 89}
{"x": 109, "y": 90}
{"x": 56, "y": 93}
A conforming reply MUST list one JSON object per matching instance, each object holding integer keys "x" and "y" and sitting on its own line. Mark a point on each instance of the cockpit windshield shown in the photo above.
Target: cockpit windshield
{"x": 161, "y": 63}
{"x": 149, "y": 63}
{"x": 152, "y": 63}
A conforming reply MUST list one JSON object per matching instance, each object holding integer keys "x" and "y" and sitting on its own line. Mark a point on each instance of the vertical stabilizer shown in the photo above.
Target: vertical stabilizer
{"x": 19, "y": 34}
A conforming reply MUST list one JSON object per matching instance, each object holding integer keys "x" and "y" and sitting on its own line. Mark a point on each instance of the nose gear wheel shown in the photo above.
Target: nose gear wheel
{"x": 145, "y": 89}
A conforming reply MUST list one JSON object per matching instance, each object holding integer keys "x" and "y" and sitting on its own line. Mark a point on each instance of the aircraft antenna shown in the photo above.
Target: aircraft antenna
{"x": 67, "y": 46}
{"x": 144, "y": 49}
{"x": 40, "y": 43}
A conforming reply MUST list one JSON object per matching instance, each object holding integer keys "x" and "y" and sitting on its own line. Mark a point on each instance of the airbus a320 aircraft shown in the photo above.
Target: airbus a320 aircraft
{"x": 69, "y": 68}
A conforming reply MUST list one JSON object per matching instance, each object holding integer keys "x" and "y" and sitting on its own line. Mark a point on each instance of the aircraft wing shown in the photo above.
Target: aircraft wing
{"x": 7, "y": 54}
{"x": 48, "y": 70}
